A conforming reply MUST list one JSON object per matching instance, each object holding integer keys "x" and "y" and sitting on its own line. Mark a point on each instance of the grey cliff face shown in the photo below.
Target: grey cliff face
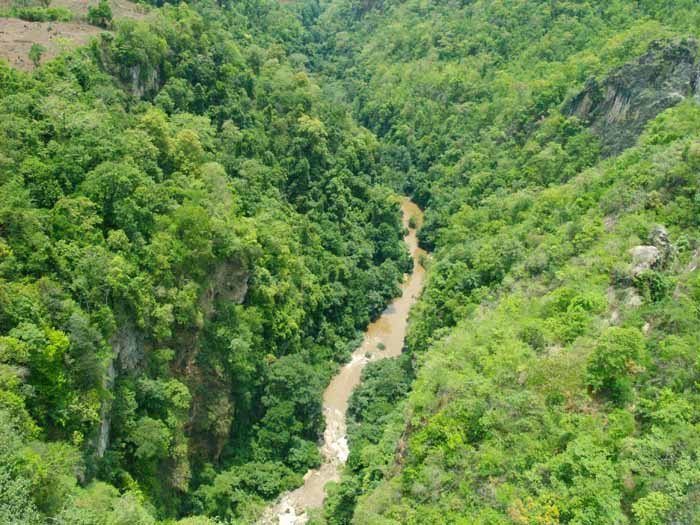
{"x": 618, "y": 107}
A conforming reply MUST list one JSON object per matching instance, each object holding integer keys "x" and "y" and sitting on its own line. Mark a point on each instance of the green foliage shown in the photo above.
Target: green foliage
{"x": 35, "y": 53}
{"x": 42, "y": 14}
{"x": 191, "y": 239}
{"x": 549, "y": 371}
{"x": 16, "y": 503}
{"x": 653, "y": 285}
{"x": 652, "y": 508}
{"x": 100, "y": 15}
{"x": 617, "y": 358}
{"x": 151, "y": 438}
{"x": 193, "y": 231}
{"x": 235, "y": 493}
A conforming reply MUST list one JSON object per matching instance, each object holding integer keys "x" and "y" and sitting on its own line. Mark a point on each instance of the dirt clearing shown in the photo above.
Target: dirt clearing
{"x": 17, "y": 36}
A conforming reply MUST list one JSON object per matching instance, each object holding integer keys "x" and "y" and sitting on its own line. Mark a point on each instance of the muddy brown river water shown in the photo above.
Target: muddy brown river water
{"x": 389, "y": 330}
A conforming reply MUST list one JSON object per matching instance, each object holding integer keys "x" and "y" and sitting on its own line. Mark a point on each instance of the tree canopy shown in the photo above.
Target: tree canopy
{"x": 199, "y": 216}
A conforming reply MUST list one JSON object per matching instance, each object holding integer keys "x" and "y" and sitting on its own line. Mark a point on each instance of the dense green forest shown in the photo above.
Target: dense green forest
{"x": 556, "y": 148}
{"x": 199, "y": 215}
{"x": 192, "y": 238}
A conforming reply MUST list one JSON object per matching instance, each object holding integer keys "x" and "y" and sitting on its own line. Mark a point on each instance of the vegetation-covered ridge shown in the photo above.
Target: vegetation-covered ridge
{"x": 191, "y": 240}
{"x": 555, "y": 146}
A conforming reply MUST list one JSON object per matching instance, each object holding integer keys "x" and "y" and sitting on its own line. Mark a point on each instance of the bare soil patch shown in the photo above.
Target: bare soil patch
{"x": 17, "y": 36}
{"x": 120, "y": 8}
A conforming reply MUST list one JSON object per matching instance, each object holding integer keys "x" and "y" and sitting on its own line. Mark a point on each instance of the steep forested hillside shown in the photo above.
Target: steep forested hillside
{"x": 191, "y": 238}
{"x": 198, "y": 216}
{"x": 555, "y": 148}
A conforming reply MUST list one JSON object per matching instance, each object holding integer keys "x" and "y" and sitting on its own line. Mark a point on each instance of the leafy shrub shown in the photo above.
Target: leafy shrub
{"x": 100, "y": 15}
{"x": 652, "y": 508}
{"x": 653, "y": 285}
{"x": 233, "y": 490}
{"x": 533, "y": 336}
{"x": 569, "y": 312}
{"x": 35, "y": 53}
{"x": 616, "y": 359}
{"x": 43, "y": 14}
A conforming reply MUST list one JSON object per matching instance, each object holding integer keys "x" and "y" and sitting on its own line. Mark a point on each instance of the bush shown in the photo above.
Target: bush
{"x": 615, "y": 360}
{"x": 43, "y": 14}
{"x": 652, "y": 285}
{"x": 101, "y": 15}
{"x": 652, "y": 508}
{"x": 35, "y": 53}
{"x": 533, "y": 336}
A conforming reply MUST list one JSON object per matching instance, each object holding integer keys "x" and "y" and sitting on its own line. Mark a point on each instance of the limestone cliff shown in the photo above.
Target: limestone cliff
{"x": 618, "y": 107}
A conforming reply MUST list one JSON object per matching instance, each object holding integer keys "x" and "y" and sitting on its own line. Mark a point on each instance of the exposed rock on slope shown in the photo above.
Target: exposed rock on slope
{"x": 644, "y": 258}
{"x": 618, "y": 107}
{"x": 127, "y": 346}
{"x": 229, "y": 281}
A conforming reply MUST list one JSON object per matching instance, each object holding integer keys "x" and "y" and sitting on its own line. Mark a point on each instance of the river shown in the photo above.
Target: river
{"x": 389, "y": 330}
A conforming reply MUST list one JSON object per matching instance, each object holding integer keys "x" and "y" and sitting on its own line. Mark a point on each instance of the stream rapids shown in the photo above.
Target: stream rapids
{"x": 388, "y": 330}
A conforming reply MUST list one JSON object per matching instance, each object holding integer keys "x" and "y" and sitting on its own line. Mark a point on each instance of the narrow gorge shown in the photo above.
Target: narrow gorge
{"x": 384, "y": 338}
{"x": 206, "y": 267}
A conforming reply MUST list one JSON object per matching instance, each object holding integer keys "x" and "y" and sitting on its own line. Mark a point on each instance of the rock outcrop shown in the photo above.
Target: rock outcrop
{"x": 618, "y": 107}
{"x": 644, "y": 258}
{"x": 652, "y": 256}
{"x": 228, "y": 282}
{"x": 127, "y": 351}
{"x": 659, "y": 238}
